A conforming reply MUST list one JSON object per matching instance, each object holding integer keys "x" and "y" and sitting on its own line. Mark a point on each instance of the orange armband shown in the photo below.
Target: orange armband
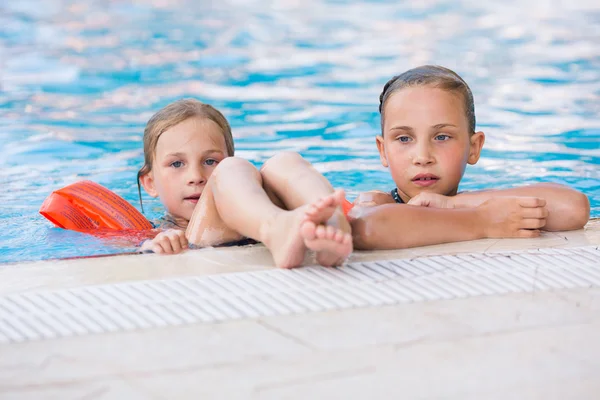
{"x": 347, "y": 206}
{"x": 84, "y": 206}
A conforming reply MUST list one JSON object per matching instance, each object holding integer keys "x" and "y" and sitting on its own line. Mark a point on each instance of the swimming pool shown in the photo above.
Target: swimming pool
{"x": 78, "y": 83}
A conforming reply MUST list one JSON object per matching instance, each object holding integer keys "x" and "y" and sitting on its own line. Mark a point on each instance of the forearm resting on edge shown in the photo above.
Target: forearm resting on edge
{"x": 399, "y": 226}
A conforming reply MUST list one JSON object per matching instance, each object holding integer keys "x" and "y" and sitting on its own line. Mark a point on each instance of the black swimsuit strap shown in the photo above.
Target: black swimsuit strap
{"x": 396, "y": 196}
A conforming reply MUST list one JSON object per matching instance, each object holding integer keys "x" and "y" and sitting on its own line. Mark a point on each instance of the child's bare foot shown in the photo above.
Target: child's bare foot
{"x": 282, "y": 237}
{"x": 332, "y": 245}
{"x": 289, "y": 233}
{"x": 323, "y": 209}
{"x": 326, "y": 230}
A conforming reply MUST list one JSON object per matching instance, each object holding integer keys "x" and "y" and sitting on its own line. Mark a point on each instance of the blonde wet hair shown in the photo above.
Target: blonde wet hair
{"x": 171, "y": 115}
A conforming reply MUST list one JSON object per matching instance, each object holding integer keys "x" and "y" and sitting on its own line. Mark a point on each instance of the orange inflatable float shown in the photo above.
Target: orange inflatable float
{"x": 88, "y": 207}
{"x": 347, "y": 206}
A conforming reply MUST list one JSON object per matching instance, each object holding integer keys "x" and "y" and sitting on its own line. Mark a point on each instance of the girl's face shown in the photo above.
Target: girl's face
{"x": 185, "y": 157}
{"x": 426, "y": 141}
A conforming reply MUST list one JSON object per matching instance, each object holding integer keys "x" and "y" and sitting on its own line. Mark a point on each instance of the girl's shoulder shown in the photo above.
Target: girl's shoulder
{"x": 373, "y": 198}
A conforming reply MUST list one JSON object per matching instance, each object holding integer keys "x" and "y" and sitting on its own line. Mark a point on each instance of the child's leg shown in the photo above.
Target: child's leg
{"x": 206, "y": 227}
{"x": 296, "y": 182}
{"x": 234, "y": 204}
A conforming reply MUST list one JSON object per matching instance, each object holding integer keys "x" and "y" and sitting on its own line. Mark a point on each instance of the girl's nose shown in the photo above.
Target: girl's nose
{"x": 196, "y": 176}
{"x": 423, "y": 156}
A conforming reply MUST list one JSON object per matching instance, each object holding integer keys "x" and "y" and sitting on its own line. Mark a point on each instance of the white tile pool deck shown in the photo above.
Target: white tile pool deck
{"x": 538, "y": 341}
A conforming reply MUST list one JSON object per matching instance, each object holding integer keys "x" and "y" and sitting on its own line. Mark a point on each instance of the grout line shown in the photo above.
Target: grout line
{"x": 286, "y": 335}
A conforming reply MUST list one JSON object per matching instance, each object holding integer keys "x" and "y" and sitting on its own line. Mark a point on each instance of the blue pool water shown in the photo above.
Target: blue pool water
{"x": 79, "y": 80}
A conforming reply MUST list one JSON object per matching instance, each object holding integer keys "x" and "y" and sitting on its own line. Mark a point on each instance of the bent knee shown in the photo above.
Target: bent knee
{"x": 284, "y": 159}
{"x": 233, "y": 165}
{"x": 229, "y": 163}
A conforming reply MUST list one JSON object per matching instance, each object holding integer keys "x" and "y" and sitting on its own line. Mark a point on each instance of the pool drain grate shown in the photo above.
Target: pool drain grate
{"x": 208, "y": 299}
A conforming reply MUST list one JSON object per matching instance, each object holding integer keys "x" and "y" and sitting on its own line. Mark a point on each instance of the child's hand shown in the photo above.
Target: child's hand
{"x": 171, "y": 241}
{"x": 372, "y": 198}
{"x": 519, "y": 217}
{"x": 426, "y": 199}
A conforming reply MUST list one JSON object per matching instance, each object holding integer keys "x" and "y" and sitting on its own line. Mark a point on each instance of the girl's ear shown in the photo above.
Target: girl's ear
{"x": 477, "y": 140}
{"x": 381, "y": 148}
{"x": 147, "y": 181}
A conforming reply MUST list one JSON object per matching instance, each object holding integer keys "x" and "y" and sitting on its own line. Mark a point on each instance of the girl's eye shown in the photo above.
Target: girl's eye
{"x": 442, "y": 138}
{"x": 176, "y": 164}
{"x": 404, "y": 139}
{"x": 211, "y": 162}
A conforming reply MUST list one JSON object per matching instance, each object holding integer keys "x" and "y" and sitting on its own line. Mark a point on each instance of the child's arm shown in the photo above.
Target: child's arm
{"x": 373, "y": 198}
{"x": 171, "y": 241}
{"x": 397, "y": 226}
{"x": 568, "y": 209}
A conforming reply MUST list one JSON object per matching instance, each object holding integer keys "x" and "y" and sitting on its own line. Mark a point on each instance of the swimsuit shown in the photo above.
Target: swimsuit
{"x": 396, "y": 196}
{"x": 241, "y": 242}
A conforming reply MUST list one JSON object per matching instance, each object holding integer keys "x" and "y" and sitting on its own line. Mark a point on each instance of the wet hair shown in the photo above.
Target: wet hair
{"x": 435, "y": 77}
{"x": 172, "y": 115}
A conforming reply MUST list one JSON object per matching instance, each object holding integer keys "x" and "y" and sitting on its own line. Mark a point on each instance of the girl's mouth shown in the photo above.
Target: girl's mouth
{"x": 425, "y": 180}
{"x": 193, "y": 198}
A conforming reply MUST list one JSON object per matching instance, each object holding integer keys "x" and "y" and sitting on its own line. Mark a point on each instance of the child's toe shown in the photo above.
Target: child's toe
{"x": 324, "y": 203}
{"x": 347, "y": 238}
{"x": 308, "y": 230}
{"x": 320, "y": 232}
{"x": 330, "y": 232}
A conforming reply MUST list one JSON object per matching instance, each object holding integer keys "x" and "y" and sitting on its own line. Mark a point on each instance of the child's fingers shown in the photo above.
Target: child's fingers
{"x": 171, "y": 241}
{"x": 177, "y": 240}
{"x": 531, "y": 202}
{"x": 157, "y": 248}
{"x": 175, "y": 243}
{"x": 533, "y": 223}
{"x": 165, "y": 244}
{"x": 183, "y": 241}
{"x": 528, "y": 233}
{"x": 431, "y": 200}
{"x": 418, "y": 200}
{"x": 535, "y": 212}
